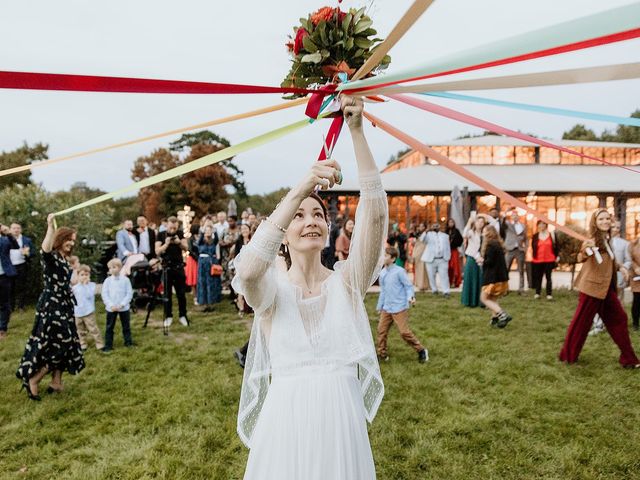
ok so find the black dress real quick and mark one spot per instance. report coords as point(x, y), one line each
point(54, 340)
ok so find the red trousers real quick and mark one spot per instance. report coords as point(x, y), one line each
point(455, 274)
point(614, 318)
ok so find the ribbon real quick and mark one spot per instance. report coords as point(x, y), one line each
point(404, 24)
point(602, 28)
point(461, 117)
point(207, 160)
point(463, 172)
point(91, 83)
point(332, 135)
point(562, 77)
point(219, 121)
point(316, 102)
point(634, 122)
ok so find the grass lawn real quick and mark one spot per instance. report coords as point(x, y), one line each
point(490, 404)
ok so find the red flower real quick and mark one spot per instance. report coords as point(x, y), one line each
point(326, 14)
point(297, 43)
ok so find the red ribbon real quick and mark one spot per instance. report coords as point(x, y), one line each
point(90, 83)
point(332, 135)
point(317, 98)
point(594, 42)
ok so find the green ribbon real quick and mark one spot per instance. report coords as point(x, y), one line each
point(592, 26)
point(205, 161)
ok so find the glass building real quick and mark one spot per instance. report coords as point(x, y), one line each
point(565, 187)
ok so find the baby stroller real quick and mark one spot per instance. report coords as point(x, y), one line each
point(146, 281)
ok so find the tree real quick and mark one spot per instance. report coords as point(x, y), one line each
point(205, 137)
point(29, 205)
point(156, 162)
point(260, 204)
point(23, 155)
point(580, 132)
point(623, 133)
point(203, 189)
point(397, 156)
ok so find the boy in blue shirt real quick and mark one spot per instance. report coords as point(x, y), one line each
point(396, 293)
point(116, 295)
point(85, 308)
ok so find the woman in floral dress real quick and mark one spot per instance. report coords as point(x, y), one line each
point(54, 346)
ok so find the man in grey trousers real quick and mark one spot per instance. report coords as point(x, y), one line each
point(515, 242)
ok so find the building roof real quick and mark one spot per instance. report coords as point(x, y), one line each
point(499, 140)
point(430, 179)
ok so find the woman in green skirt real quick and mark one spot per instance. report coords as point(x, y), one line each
point(472, 279)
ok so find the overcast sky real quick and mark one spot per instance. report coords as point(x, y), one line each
point(243, 42)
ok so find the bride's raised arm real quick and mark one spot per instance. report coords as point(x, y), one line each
point(372, 218)
point(255, 264)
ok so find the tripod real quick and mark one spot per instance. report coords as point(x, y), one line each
point(155, 299)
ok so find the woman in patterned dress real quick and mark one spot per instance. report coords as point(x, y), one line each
point(53, 346)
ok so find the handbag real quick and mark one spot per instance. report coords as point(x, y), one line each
point(216, 270)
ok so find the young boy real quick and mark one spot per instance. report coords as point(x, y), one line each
point(85, 293)
point(396, 292)
point(116, 295)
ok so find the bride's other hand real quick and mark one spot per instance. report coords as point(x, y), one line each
point(352, 108)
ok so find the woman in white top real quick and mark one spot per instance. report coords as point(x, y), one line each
point(311, 378)
point(472, 278)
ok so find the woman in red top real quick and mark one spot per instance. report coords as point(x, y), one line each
point(545, 258)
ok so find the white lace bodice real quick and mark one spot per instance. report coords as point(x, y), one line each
point(292, 335)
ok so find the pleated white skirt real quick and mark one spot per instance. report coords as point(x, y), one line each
point(312, 427)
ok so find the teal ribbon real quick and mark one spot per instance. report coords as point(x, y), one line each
point(633, 122)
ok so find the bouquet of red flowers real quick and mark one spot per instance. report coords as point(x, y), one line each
point(328, 42)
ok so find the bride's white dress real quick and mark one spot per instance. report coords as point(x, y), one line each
point(311, 377)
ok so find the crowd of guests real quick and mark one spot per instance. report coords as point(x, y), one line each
point(440, 257)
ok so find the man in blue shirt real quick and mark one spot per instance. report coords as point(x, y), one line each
point(396, 293)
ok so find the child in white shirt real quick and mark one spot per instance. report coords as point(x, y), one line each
point(116, 295)
point(85, 309)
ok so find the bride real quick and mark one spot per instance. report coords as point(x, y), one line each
point(311, 378)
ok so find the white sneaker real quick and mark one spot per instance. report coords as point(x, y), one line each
point(536, 296)
point(167, 322)
point(549, 297)
point(183, 321)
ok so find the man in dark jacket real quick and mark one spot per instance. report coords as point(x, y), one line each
point(21, 254)
point(7, 272)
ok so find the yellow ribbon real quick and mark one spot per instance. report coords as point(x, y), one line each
point(240, 116)
point(205, 161)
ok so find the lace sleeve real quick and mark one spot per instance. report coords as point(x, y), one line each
point(255, 267)
point(369, 234)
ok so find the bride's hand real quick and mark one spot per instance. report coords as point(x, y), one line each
point(325, 174)
point(352, 109)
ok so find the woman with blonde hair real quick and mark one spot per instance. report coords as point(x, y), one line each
point(472, 277)
point(597, 283)
point(495, 276)
point(311, 378)
point(54, 346)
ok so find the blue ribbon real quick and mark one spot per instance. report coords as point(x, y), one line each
point(633, 122)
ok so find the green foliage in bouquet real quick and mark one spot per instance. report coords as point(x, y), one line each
point(330, 41)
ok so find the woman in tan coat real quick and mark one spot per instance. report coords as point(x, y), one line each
point(596, 283)
point(634, 280)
